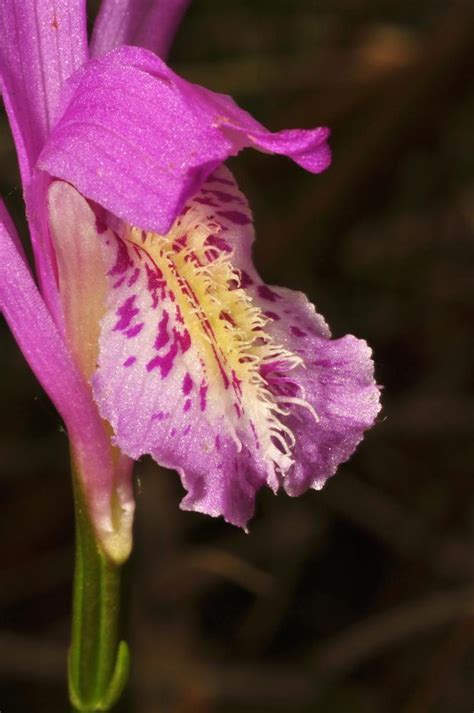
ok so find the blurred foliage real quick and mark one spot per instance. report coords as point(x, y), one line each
point(357, 599)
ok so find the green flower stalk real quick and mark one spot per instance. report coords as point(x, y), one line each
point(99, 662)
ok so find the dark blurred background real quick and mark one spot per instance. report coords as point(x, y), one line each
point(360, 598)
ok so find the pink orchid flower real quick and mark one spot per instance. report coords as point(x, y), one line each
point(149, 327)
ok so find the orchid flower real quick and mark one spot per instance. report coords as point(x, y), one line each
point(148, 326)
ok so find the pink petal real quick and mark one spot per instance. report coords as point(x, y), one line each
point(146, 23)
point(139, 140)
point(333, 397)
point(192, 373)
point(165, 381)
point(42, 42)
point(49, 358)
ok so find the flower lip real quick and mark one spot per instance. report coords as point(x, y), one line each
point(208, 314)
point(234, 388)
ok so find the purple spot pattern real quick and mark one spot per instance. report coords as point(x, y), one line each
point(160, 416)
point(245, 279)
point(207, 201)
point(133, 277)
point(219, 179)
point(187, 384)
point(126, 312)
point(217, 242)
point(163, 336)
point(203, 396)
point(134, 331)
point(224, 197)
point(164, 363)
point(122, 262)
point(156, 284)
point(267, 294)
point(271, 315)
point(235, 216)
point(297, 331)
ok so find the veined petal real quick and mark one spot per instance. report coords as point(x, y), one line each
point(49, 358)
point(146, 23)
point(42, 42)
point(197, 369)
point(139, 140)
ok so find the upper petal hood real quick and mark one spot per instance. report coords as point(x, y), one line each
point(139, 140)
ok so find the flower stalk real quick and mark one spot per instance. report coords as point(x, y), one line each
point(98, 659)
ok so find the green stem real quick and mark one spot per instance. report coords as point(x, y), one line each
point(98, 663)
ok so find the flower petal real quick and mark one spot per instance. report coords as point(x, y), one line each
point(146, 23)
point(49, 358)
point(177, 378)
point(332, 397)
point(42, 42)
point(139, 140)
point(207, 377)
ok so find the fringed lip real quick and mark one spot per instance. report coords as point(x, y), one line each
point(231, 382)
